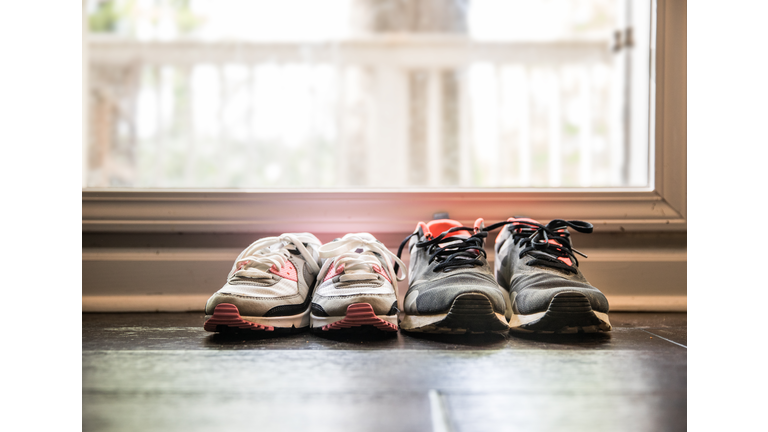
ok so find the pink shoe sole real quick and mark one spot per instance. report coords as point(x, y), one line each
point(361, 314)
point(227, 315)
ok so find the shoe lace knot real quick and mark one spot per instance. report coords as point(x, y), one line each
point(550, 244)
point(359, 255)
point(451, 250)
point(262, 255)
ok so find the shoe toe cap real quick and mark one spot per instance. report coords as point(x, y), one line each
point(439, 298)
point(530, 301)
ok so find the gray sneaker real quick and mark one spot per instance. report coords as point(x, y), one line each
point(269, 287)
point(537, 264)
point(451, 286)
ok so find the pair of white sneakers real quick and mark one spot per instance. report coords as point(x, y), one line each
point(288, 283)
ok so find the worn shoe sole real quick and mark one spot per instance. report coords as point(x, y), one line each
point(568, 312)
point(359, 319)
point(470, 313)
point(226, 318)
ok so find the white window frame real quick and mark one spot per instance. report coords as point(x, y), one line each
point(661, 207)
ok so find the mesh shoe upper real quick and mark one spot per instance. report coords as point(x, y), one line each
point(356, 270)
point(454, 265)
point(274, 276)
point(547, 266)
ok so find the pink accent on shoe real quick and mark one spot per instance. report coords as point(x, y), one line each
point(287, 272)
point(360, 314)
point(334, 272)
point(424, 229)
point(479, 224)
point(439, 226)
point(559, 247)
point(226, 314)
point(378, 270)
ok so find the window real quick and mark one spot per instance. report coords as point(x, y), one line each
point(660, 205)
point(357, 94)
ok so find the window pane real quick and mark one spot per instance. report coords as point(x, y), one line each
point(331, 94)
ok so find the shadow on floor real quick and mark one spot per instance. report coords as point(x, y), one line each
point(584, 340)
point(473, 340)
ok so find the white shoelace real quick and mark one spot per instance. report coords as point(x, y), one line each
point(256, 260)
point(358, 266)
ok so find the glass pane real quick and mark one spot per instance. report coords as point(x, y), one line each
point(345, 94)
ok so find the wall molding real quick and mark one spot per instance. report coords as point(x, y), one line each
point(196, 303)
point(182, 279)
point(386, 212)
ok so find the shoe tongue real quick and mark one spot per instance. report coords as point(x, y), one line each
point(439, 226)
point(276, 247)
point(363, 274)
point(382, 260)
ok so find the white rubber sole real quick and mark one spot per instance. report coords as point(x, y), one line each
point(290, 321)
point(520, 320)
point(470, 313)
point(412, 322)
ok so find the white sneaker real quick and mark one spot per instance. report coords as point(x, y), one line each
point(269, 287)
point(356, 287)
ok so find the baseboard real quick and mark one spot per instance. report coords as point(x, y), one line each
point(625, 303)
point(181, 280)
point(145, 303)
point(196, 303)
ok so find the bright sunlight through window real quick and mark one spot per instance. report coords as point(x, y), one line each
point(340, 94)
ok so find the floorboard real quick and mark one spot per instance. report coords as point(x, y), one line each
point(163, 372)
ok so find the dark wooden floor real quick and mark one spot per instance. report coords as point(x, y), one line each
point(163, 372)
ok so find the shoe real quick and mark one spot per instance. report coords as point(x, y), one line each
point(537, 264)
point(269, 287)
point(451, 286)
point(355, 288)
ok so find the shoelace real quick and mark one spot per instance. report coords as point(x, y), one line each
point(359, 266)
point(549, 245)
point(455, 251)
point(256, 260)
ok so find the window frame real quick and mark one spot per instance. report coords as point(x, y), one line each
point(661, 207)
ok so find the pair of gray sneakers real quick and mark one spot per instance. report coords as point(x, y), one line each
point(536, 285)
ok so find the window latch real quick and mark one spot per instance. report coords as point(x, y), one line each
point(623, 39)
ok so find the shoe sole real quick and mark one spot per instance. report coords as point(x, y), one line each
point(226, 318)
point(470, 313)
point(359, 319)
point(568, 312)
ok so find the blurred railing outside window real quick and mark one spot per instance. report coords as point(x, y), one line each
point(340, 94)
